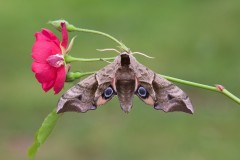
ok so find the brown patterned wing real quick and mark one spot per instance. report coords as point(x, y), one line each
point(169, 97)
point(91, 92)
point(156, 91)
point(80, 97)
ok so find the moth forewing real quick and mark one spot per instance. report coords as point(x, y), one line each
point(79, 98)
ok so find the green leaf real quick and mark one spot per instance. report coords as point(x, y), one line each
point(43, 132)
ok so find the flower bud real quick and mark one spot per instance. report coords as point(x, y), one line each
point(57, 24)
point(71, 76)
point(219, 87)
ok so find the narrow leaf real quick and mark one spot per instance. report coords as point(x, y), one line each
point(43, 132)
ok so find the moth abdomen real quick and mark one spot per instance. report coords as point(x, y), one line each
point(125, 90)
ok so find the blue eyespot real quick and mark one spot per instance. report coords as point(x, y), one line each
point(108, 92)
point(142, 92)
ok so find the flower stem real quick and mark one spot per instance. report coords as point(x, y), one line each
point(125, 48)
point(230, 95)
point(69, 59)
point(71, 28)
point(203, 86)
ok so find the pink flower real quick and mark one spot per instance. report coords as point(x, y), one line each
point(48, 59)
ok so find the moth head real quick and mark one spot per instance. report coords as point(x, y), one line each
point(125, 59)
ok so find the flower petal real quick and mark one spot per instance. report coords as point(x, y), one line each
point(47, 86)
point(64, 35)
point(41, 50)
point(40, 37)
point(61, 77)
point(47, 33)
point(45, 73)
point(38, 67)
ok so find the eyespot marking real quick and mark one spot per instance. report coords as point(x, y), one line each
point(108, 92)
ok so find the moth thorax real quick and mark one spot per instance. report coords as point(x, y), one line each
point(125, 73)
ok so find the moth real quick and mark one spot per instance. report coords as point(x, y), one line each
point(124, 77)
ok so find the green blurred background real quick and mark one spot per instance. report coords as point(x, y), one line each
point(191, 39)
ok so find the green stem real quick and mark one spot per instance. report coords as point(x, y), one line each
point(103, 34)
point(71, 28)
point(69, 59)
point(203, 86)
point(230, 95)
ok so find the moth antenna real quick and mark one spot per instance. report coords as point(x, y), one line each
point(142, 54)
point(105, 60)
point(124, 50)
point(109, 49)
